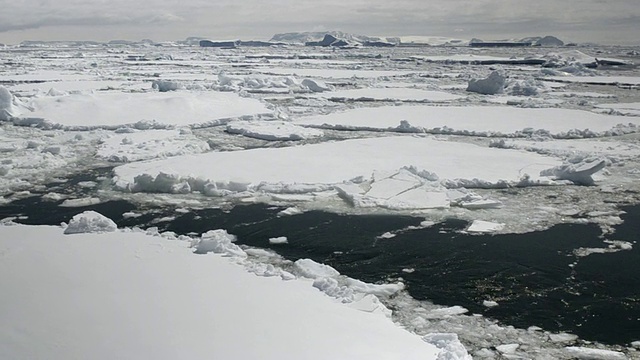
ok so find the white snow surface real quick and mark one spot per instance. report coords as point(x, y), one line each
point(154, 298)
point(165, 108)
point(472, 120)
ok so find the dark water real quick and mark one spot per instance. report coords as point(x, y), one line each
point(528, 274)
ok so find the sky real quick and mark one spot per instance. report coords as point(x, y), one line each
point(600, 21)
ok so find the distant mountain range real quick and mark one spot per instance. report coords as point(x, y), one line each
point(318, 38)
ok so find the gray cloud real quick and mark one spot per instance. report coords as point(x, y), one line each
point(173, 20)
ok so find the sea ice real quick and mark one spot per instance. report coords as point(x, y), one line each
point(421, 184)
point(112, 110)
point(155, 299)
point(473, 120)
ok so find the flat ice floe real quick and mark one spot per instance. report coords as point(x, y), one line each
point(475, 120)
point(162, 301)
point(390, 94)
point(117, 109)
point(401, 172)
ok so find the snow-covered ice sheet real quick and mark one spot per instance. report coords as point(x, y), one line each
point(306, 168)
point(472, 120)
point(129, 295)
point(117, 109)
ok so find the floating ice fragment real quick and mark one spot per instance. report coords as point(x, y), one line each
point(313, 270)
point(489, 303)
point(443, 313)
point(577, 173)
point(481, 226)
point(584, 353)
point(80, 202)
point(508, 348)
point(90, 222)
point(450, 345)
point(562, 337)
point(278, 240)
point(290, 211)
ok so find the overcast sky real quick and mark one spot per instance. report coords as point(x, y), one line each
point(603, 21)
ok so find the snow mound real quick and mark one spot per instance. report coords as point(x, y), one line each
point(494, 84)
point(315, 85)
point(90, 222)
point(218, 242)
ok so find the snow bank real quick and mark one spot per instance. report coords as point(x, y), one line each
point(476, 120)
point(157, 300)
point(90, 222)
point(159, 109)
point(272, 130)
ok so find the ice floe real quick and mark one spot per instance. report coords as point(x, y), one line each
point(112, 110)
point(89, 276)
point(476, 120)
